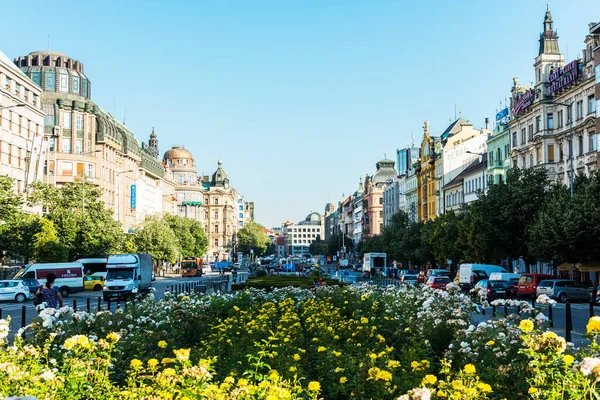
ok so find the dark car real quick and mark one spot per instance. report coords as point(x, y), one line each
point(496, 289)
point(32, 284)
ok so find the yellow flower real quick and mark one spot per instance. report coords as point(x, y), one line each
point(242, 382)
point(526, 326)
point(236, 308)
point(457, 385)
point(364, 320)
point(568, 359)
point(293, 369)
point(484, 387)
point(182, 354)
point(491, 343)
point(113, 337)
point(532, 390)
point(393, 364)
point(429, 380)
point(321, 349)
point(153, 362)
point(470, 369)
point(136, 364)
point(70, 343)
point(296, 357)
point(184, 298)
point(593, 326)
point(162, 344)
point(336, 353)
point(343, 380)
point(364, 297)
point(314, 386)
point(384, 375)
point(373, 356)
point(441, 393)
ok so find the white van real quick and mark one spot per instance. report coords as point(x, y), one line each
point(470, 274)
point(69, 276)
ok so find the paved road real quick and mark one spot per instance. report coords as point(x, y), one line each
point(15, 310)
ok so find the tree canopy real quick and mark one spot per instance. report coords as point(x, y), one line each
point(252, 236)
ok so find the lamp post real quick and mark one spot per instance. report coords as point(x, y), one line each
point(482, 168)
point(83, 178)
point(570, 106)
point(16, 105)
point(119, 191)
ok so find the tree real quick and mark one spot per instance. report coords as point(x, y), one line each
point(89, 232)
point(47, 247)
point(10, 202)
point(156, 238)
point(191, 239)
point(443, 238)
point(18, 241)
point(318, 247)
point(252, 236)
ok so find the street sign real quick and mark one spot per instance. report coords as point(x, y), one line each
point(334, 258)
point(133, 199)
point(251, 251)
point(449, 261)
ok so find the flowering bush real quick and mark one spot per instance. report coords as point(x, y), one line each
point(335, 343)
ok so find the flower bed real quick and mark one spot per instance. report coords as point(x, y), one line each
point(332, 343)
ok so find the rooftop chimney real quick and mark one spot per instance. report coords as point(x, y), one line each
point(487, 123)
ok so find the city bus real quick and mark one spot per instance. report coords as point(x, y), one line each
point(191, 267)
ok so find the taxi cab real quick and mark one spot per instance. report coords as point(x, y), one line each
point(93, 282)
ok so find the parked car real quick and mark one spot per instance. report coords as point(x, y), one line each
point(496, 289)
point(528, 284)
point(470, 274)
point(14, 290)
point(563, 290)
point(32, 284)
point(437, 272)
point(438, 282)
point(93, 282)
point(410, 280)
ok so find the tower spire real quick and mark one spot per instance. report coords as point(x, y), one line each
point(549, 37)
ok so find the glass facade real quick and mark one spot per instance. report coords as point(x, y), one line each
point(50, 80)
point(84, 87)
point(75, 85)
point(36, 77)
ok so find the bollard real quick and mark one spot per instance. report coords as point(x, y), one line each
point(493, 310)
point(551, 323)
point(171, 288)
point(108, 304)
point(23, 316)
point(569, 322)
point(482, 309)
point(0, 313)
point(591, 308)
point(533, 301)
point(99, 304)
point(125, 305)
point(88, 305)
point(74, 304)
point(118, 305)
point(505, 310)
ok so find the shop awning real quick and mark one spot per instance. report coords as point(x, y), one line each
point(590, 266)
point(565, 267)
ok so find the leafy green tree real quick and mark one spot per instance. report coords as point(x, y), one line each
point(10, 202)
point(84, 232)
point(18, 241)
point(47, 247)
point(190, 235)
point(252, 236)
point(155, 237)
point(443, 238)
point(318, 247)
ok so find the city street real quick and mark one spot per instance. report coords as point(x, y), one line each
point(15, 310)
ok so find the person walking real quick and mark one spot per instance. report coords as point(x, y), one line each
point(49, 293)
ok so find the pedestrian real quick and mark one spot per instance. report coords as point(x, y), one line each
point(49, 293)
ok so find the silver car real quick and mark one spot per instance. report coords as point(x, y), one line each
point(563, 290)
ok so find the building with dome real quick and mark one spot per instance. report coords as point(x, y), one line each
point(299, 237)
point(86, 143)
point(373, 196)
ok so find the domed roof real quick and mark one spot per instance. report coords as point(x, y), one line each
point(385, 172)
point(48, 53)
point(177, 152)
point(314, 217)
point(220, 177)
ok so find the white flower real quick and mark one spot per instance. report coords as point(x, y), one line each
point(588, 364)
point(48, 375)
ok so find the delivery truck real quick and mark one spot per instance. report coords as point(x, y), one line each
point(374, 262)
point(127, 275)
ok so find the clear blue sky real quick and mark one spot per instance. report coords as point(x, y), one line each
point(299, 98)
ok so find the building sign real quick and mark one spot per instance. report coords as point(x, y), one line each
point(133, 199)
point(523, 101)
point(502, 114)
point(563, 77)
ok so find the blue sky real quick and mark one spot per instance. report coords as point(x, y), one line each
point(299, 98)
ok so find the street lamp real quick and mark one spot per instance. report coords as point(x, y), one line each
point(482, 168)
point(570, 105)
point(83, 178)
point(16, 105)
point(119, 191)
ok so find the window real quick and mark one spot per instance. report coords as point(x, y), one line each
point(538, 154)
point(75, 84)
point(80, 170)
point(66, 120)
point(84, 87)
point(505, 151)
point(380, 200)
point(580, 145)
point(216, 214)
point(579, 109)
point(67, 169)
point(90, 171)
point(498, 156)
point(551, 153)
point(79, 146)
point(66, 145)
point(569, 113)
point(37, 78)
point(591, 104)
point(205, 214)
point(560, 151)
point(241, 216)
point(50, 81)
point(592, 139)
point(216, 200)
point(514, 141)
point(559, 115)
point(523, 136)
point(538, 124)
point(216, 242)
point(530, 160)
point(79, 122)
point(380, 214)
point(17, 89)
point(63, 83)
point(570, 148)
point(216, 228)
point(52, 144)
point(50, 166)
point(550, 122)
